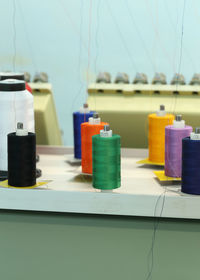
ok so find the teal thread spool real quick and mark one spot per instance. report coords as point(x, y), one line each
point(106, 160)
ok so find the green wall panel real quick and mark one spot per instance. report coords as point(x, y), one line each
point(86, 247)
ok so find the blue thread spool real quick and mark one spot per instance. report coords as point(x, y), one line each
point(78, 118)
point(191, 163)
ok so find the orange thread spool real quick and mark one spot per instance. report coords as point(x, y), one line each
point(87, 131)
point(157, 126)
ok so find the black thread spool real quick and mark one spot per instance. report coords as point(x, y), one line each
point(21, 158)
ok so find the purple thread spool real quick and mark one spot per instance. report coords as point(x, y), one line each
point(173, 146)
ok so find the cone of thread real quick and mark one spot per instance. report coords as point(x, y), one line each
point(173, 149)
point(21, 160)
point(106, 162)
point(190, 166)
point(78, 119)
point(156, 136)
point(87, 131)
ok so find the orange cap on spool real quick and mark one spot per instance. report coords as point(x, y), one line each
point(87, 131)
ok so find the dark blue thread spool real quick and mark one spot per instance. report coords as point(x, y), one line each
point(191, 166)
point(78, 119)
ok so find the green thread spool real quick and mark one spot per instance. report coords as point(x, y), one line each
point(106, 161)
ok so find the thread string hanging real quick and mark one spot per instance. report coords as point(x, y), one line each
point(133, 63)
point(129, 10)
point(155, 228)
point(165, 52)
point(79, 59)
point(14, 35)
point(89, 41)
point(27, 37)
point(181, 51)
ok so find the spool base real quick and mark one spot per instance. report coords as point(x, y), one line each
point(86, 174)
point(5, 185)
point(106, 191)
point(148, 162)
point(162, 177)
point(72, 161)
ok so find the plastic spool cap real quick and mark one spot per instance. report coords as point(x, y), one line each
point(95, 115)
point(95, 119)
point(161, 112)
point(106, 132)
point(20, 130)
point(19, 125)
point(178, 118)
point(197, 130)
point(85, 109)
point(12, 85)
point(195, 135)
point(106, 127)
point(11, 75)
point(162, 107)
point(178, 122)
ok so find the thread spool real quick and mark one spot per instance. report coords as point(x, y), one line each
point(106, 160)
point(88, 129)
point(11, 75)
point(16, 106)
point(103, 77)
point(178, 79)
point(40, 77)
point(140, 78)
point(195, 80)
point(21, 158)
point(27, 77)
point(191, 163)
point(16, 76)
point(159, 79)
point(173, 146)
point(122, 78)
point(78, 118)
point(156, 137)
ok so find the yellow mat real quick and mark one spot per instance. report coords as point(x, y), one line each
point(5, 185)
point(147, 161)
point(162, 177)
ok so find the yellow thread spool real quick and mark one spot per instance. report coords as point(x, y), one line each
point(157, 124)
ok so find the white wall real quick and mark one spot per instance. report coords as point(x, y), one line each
point(126, 35)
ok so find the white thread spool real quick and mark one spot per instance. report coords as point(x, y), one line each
point(11, 75)
point(16, 105)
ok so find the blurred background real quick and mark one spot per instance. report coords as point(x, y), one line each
point(73, 40)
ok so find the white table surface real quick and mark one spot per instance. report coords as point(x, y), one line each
point(140, 193)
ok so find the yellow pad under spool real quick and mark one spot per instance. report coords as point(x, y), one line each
point(162, 177)
point(5, 185)
point(147, 161)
